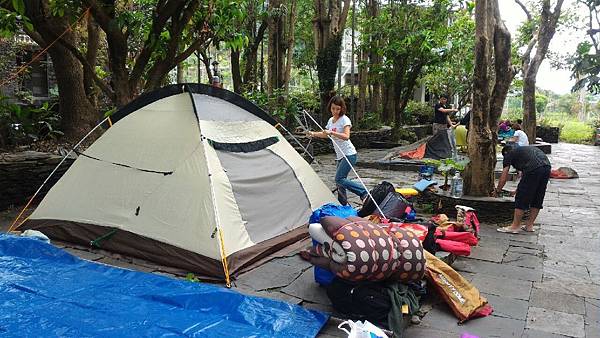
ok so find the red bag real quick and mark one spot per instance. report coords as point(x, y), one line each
point(457, 248)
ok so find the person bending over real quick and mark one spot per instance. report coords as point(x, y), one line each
point(535, 166)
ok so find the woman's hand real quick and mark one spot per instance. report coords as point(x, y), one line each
point(328, 132)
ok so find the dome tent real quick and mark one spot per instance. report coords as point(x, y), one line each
point(187, 174)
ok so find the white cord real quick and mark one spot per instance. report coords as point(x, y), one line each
point(348, 161)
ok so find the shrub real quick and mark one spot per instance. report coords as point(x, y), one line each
point(576, 132)
point(25, 124)
point(370, 121)
point(419, 112)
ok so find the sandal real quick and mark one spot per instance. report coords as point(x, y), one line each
point(508, 230)
point(524, 228)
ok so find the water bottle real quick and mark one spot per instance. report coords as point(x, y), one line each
point(457, 186)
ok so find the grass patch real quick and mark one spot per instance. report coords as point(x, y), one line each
point(571, 129)
point(576, 132)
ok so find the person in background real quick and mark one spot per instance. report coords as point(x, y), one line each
point(535, 166)
point(441, 118)
point(338, 128)
point(519, 138)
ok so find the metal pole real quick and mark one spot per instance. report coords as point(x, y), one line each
point(352, 76)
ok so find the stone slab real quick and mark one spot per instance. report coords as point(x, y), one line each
point(123, 264)
point(507, 307)
point(304, 287)
point(557, 301)
point(491, 254)
point(592, 331)
point(503, 287)
point(523, 250)
point(500, 270)
point(421, 331)
point(530, 333)
point(585, 290)
point(561, 270)
point(523, 260)
point(442, 319)
point(90, 256)
point(270, 276)
point(592, 311)
point(550, 321)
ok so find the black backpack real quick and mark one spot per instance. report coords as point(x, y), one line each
point(365, 300)
point(379, 193)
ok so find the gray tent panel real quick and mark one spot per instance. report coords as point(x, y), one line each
point(215, 109)
point(265, 188)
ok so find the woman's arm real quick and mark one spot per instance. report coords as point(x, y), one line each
point(319, 134)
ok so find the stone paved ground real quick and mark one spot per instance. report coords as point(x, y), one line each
point(545, 284)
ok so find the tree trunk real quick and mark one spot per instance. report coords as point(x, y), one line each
point(529, 113)
point(541, 42)
point(291, 38)
point(78, 115)
point(180, 73)
point(362, 86)
point(492, 48)
point(276, 50)
point(236, 73)
point(328, 28)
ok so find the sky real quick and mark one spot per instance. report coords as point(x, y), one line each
point(565, 41)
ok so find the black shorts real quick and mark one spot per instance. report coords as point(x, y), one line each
point(532, 189)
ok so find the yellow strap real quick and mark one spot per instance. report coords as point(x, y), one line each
point(277, 125)
point(109, 122)
point(224, 260)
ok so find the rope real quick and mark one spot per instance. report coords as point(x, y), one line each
point(12, 226)
point(43, 51)
point(97, 241)
point(298, 142)
point(224, 259)
point(350, 164)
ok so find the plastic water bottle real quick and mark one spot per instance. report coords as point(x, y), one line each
point(457, 186)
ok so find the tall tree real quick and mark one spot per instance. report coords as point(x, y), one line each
point(586, 60)
point(45, 24)
point(493, 74)
point(409, 37)
point(328, 25)
point(542, 30)
point(454, 75)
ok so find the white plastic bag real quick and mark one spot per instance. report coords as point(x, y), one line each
point(360, 329)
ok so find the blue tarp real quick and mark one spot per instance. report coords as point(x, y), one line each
point(45, 291)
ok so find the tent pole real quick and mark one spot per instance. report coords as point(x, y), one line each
point(12, 226)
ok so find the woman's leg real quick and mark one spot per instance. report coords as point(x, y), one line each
point(341, 177)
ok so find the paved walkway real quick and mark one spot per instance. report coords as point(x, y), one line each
point(545, 284)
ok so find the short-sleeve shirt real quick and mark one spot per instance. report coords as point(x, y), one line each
point(523, 140)
point(346, 146)
point(526, 159)
point(438, 115)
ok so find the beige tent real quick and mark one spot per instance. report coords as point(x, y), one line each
point(187, 174)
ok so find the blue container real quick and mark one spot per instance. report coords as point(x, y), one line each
point(426, 171)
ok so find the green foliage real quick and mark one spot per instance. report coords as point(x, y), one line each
point(541, 101)
point(419, 112)
point(576, 132)
point(446, 165)
point(190, 277)
point(404, 134)
point(453, 76)
point(296, 102)
point(370, 121)
point(24, 124)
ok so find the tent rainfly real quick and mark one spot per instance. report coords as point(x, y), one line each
point(187, 175)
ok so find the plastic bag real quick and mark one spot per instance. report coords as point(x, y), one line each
point(360, 329)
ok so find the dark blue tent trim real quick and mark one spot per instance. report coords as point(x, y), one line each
point(196, 88)
point(45, 291)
